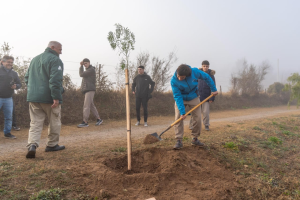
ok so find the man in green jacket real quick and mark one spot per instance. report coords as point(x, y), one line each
point(44, 93)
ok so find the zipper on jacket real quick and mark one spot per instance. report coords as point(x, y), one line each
point(188, 84)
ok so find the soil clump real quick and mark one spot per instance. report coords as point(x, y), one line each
point(150, 139)
point(190, 173)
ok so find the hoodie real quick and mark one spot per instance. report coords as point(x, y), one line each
point(203, 89)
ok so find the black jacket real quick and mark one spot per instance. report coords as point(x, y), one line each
point(89, 79)
point(141, 84)
point(6, 79)
point(203, 89)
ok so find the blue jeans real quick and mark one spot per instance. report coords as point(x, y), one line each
point(7, 104)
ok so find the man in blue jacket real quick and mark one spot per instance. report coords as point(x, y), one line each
point(184, 86)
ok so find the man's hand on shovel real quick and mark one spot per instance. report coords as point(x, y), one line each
point(215, 93)
point(183, 117)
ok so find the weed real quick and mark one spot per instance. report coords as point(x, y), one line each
point(119, 149)
point(285, 132)
point(296, 128)
point(282, 126)
point(52, 194)
point(275, 140)
point(256, 128)
point(274, 123)
point(230, 145)
point(228, 125)
point(185, 138)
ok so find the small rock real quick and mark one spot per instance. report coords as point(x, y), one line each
point(245, 166)
point(228, 165)
point(248, 192)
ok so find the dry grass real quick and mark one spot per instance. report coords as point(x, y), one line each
point(263, 156)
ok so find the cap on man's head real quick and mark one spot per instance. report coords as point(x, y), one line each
point(205, 62)
point(142, 67)
point(86, 60)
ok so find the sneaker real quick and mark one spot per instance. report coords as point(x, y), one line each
point(99, 121)
point(207, 128)
point(83, 124)
point(55, 148)
point(31, 151)
point(145, 124)
point(10, 136)
point(178, 145)
point(137, 123)
point(196, 142)
point(16, 128)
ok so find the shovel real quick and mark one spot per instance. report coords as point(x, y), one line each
point(178, 120)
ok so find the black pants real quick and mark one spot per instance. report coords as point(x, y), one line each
point(14, 119)
point(144, 102)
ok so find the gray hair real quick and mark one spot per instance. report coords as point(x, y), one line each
point(5, 58)
point(53, 43)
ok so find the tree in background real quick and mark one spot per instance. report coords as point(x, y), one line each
point(294, 87)
point(275, 88)
point(158, 68)
point(102, 81)
point(248, 79)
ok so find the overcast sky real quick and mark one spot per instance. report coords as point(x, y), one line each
point(222, 32)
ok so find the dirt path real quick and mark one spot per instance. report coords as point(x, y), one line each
point(115, 130)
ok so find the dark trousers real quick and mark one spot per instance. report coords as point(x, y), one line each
point(144, 102)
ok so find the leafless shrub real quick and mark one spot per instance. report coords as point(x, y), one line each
point(248, 79)
point(102, 81)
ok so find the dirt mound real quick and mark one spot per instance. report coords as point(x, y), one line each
point(190, 173)
point(150, 139)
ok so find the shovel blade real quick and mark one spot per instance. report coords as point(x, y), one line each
point(156, 135)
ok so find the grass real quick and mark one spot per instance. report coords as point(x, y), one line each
point(230, 145)
point(264, 158)
point(119, 149)
point(52, 194)
point(275, 140)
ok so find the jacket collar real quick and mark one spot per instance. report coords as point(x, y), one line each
point(51, 51)
point(4, 68)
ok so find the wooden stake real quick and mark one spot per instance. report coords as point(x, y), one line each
point(128, 119)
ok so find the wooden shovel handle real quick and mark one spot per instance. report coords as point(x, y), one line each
point(178, 120)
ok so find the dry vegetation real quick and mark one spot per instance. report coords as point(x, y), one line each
point(254, 160)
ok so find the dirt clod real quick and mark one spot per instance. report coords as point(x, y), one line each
point(150, 139)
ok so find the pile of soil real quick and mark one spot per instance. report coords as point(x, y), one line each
point(190, 173)
point(150, 139)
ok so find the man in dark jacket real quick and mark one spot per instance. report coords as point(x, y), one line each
point(140, 87)
point(9, 81)
point(44, 80)
point(88, 88)
point(204, 91)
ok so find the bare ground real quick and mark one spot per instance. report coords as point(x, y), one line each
point(116, 130)
point(95, 161)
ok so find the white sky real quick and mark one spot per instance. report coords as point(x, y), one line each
point(221, 31)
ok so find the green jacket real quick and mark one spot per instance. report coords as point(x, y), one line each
point(44, 78)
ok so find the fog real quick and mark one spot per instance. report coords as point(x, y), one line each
point(222, 32)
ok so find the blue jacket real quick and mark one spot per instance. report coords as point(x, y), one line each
point(203, 89)
point(186, 90)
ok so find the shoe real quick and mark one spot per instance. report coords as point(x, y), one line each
point(99, 121)
point(145, 124)
point(55, 148)
point(83, 124)
point(207, 128)
point(16, 128)
point(31, 152)
point(196, 142)
point(137, 123)
point(178, 145)
point(10, 136)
